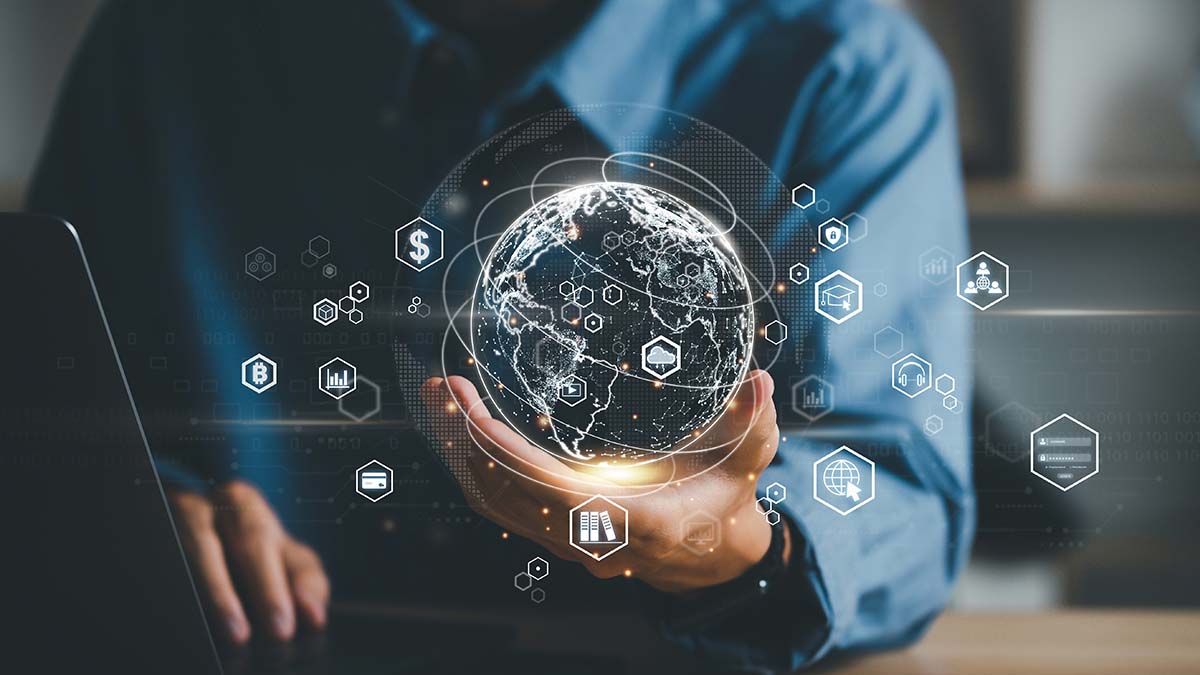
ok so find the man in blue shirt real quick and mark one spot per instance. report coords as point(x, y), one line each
point(188, 131)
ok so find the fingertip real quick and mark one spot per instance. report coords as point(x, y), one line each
point(313, 610)
point(237, 629)
point(283, 624)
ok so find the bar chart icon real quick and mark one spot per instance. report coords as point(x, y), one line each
point(337, 378)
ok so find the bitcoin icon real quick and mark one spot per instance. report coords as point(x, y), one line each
point(419, 252)
point(258, 373)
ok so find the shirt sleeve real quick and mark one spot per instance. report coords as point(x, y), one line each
point(872, 129)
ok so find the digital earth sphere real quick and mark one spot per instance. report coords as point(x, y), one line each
point(612, 322)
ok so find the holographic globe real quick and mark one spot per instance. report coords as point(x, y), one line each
point(612, 323)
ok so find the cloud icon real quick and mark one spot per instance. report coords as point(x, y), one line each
point(660, 357)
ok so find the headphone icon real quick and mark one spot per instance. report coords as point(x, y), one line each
point(903, 379)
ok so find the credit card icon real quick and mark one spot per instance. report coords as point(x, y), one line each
point(373, 480)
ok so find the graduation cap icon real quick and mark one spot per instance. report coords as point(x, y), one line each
point(837, 296)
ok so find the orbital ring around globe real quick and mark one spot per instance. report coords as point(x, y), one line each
point(723, 202)
point(684, 441)
point(522, 275)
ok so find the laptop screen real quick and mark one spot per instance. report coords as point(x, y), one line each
point(94, 577)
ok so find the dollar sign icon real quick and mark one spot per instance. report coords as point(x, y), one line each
point(420, 251)
point(258, 373)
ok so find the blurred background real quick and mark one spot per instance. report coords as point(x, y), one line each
point(1080, 124)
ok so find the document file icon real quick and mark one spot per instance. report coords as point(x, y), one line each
point(373, 480)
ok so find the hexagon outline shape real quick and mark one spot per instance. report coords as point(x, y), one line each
point(921, 266)
point(858, 295)
point(782, 490)
point(359, 284)
point(618, 295)
point(843, 239)
point(800, 411)
point(267, 253)
point(908, 359)
point(353, 377)
point(436, 252)
point(958, 281)
point(325, 302)
point(328, 247)
point(625, 521)
point(674, 347)
point(792, 273)
point(545, 565)
point(522, 578)
point(581, 381)
point(598, 323)
point(1095, 434)
point(937, 386)
point(987, 428)
point(274, 373)
point(696, 517)
point(374, 409)
point(358, 480)
point(932, 428)
point(875, 342)
point(856, 216)
point(852, 509)
point(767, 332)
point(812, 195)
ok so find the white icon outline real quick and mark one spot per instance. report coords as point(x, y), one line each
point(647, 350)
point(353, 378)
point(582, 384)
point(437, 248)
point(1033, 444)
point(816, 481)
point(960, 282)
point(817, 290)
point(625, 526)
point(274, 373)
point(391, 483)
point(825, 387)
point(900, 378)
point(833, 234)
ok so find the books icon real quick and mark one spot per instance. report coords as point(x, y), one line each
point(595, 527)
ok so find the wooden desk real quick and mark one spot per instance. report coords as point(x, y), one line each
point(1059, 643)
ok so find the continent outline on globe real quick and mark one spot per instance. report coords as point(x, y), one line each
point(679, 278)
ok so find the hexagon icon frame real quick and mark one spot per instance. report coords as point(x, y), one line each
point(325, 302)
point(842, 238)
point(924, 266)
point(376, 408)
point(436, 253)
point(391, 484)
point(808, 200)
point(793, 276)
point(625, 526)
point(857, 295)
point(274, 373)
point(816, 482)
point(268, 258)
point(686, 528)
point(825, 386)
point(674, 347)
point(906, 360)
point(1032, 444)
point(353, 377)
point(958, 280)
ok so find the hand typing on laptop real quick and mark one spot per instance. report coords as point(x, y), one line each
point(233, 534)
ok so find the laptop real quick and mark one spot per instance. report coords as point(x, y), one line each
point(94, 576)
